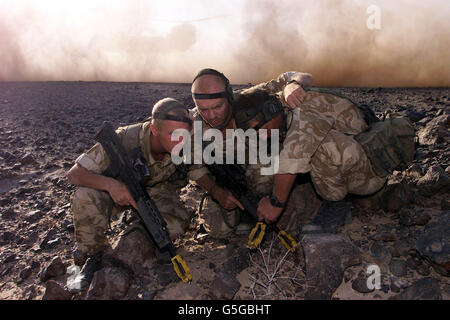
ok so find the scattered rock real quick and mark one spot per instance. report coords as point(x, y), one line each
point(385, 233)
point(415, 116)
point(414, 171)
point(180, 291)
point(410, 217)
point(416, 263)
point(422, 289)
point(434, 181)
point(53, 243)
point(397, 196)
point(10, 258)
point(394, 288)
point(133, 248)
point(398, 268)
point(7, 237)
point(435, 131)
point(54, 291)
point(381, 254)
point(311, 228)
point(8, 214)
point(332, 215)
point(109, 284)
point(360, 283)
point(238, 262)
point(68, 225)
point(27, 159)
point(50, 235)
point(225, 284)
point(53, 269)
point(326, 257)
point(25, 273)
point(445, 204)
point(164, 273)
point(402, 247)
point(434, 243)
point(33, 216)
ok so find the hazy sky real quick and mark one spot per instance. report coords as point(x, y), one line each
point(249, 40)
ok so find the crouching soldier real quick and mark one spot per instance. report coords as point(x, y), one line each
point(213, 97)
point(99, 196)
point(343, 146)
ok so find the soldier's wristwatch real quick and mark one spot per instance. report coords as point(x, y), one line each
point(275, 202)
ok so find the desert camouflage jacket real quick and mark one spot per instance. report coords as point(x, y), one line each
point(274, 86)
point(311, 122)
point(132, 136)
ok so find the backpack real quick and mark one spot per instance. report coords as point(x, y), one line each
point(388, 144)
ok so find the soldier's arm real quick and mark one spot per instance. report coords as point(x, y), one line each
point(282, 185)
point(289, 86)
point(281, 188)
point(80, 176)
point(223, 196)
point(277, 85)
point(201, 175)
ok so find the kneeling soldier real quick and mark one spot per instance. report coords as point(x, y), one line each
point(99, 196)
point(343, 146)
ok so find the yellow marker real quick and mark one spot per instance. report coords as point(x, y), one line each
point(177, 261)
point(254, 243)
point(285, 238)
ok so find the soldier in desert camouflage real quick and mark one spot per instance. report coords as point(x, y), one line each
point(213, 98)
point(334, 140)
point(99, 196)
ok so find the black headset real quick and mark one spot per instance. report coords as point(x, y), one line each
point(269, 110)
point(228, 93)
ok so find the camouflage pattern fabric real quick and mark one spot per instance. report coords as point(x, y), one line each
point(274, 86)
point(91, 207)
point(96, 160)
point(340, 166)
point(388, 144)
point(320, 141)
point(221, 223)
point(212, 213)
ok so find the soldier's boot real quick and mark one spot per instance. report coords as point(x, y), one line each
point(82, 280)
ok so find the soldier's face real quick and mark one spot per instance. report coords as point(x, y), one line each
point(214, 111)
point(164, 133)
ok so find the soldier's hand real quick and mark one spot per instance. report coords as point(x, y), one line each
point(120, 194)
point(267, 212)
point(294, 95)
point(226, 199)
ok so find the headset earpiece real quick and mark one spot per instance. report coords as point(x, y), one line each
point(271, 109)
point(228, 89)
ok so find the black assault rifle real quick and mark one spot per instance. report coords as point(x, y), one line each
point(125, 168)
point(232, 177)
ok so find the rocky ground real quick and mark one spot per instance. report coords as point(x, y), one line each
point(403, 232)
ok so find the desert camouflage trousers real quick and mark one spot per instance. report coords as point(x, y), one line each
point(221, 223)
point(91, 209)
point(340, 166)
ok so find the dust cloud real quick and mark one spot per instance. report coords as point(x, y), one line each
point(250, 41)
